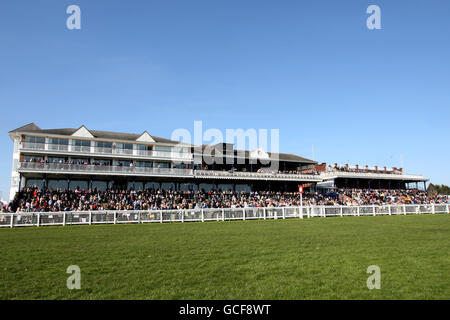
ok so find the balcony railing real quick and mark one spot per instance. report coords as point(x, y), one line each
point(368, 175)
point(105, 151)
point(83, 168)
point(89, 168)
point(251, 175)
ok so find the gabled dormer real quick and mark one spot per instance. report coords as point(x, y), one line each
point(145, 137)
point(83, 132)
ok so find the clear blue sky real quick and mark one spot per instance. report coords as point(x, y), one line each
point(309, 68)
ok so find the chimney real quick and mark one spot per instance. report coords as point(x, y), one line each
point(376, 168)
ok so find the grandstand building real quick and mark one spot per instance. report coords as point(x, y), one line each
point(87, 159)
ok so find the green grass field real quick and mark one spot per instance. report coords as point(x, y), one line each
point(319, 258)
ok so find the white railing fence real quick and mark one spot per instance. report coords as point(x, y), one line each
point(201, 215)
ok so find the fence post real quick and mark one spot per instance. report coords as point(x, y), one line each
point(12, 220)
point(447, 208)
point(38, 219)
point(64, 218)
point(160, 216)
point(264, 212)
point(323, 211)
point(373, 210)
point(90, 217)
point(357, 211)
point(284, 212)
point(404, 209)
point(139, 217)
point(341, 211)
point(223, 214)
point(115, 217)
point(243, 213)
point(301, 212)
point(203, 216)
point(182, 216)
point(308, 212)
point(433, 210)
point(389, 209)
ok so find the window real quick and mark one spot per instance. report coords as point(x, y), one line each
point(80, 160)
point(58, 144)
point(163, 148)
point(142, 147)
point(143, 164)
point(101, 162)
point(180, 150)
point(56, 160)
point(32, 158)
point(32, 139)
point(103, 144)
point(63, 142)
point(81, 143)
point(161, 165)
point(122, 163)
point(127, 146)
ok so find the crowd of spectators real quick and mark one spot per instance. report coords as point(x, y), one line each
point(37, 200)
point(356, 169)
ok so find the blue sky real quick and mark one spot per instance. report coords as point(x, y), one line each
point(309, 68)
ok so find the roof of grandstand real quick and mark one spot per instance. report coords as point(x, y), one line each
point(33, 128)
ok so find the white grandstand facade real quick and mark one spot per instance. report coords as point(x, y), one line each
point(82, 158)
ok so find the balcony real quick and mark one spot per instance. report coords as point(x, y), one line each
point(65, 168)
point(256, 175)
point(86, 150)
point(371, 175)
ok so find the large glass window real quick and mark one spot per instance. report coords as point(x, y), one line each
point(101, 162)
point(80, 160)
point(58, 144)
point(36, 183)
point(143, 164)
point(99, 185)
point(32, 158)
point(103, 144)
point(142, 147)
point(122, 163)
point(64, 142)
point(75, 184)
point(103, 147)
point(81, 145)
point(57, 184)
point(161, 165)
point(56, 160)
point(163, 148)
point(33, 139)
point(35, 143)
point(180, 150)
point(127, 146)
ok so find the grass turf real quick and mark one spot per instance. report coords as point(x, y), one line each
point(319, 258)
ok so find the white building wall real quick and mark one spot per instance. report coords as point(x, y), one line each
point(15, 169)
